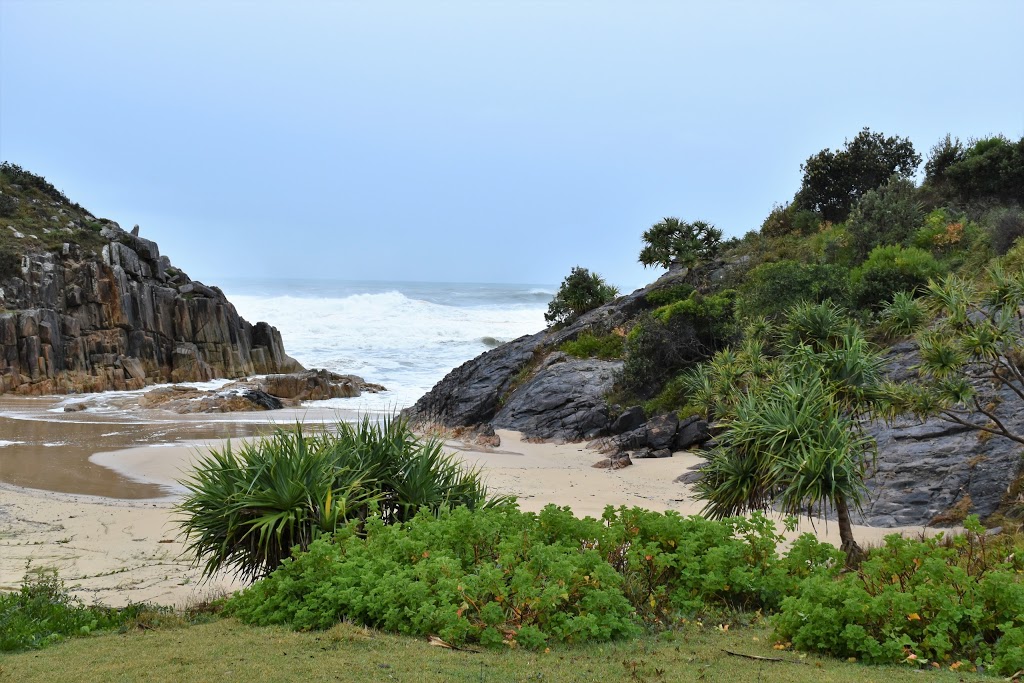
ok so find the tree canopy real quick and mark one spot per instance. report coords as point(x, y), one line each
point(673, 241)
point(580, 291)
point(834, 180)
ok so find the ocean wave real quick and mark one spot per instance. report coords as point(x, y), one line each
point(404, 342)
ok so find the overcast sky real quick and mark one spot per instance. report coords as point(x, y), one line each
point(473, 141)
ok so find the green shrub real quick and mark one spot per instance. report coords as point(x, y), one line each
point(891, 269)
point(10, 263)
point(502, 576)
point(246, 508)
point(42, 612)
point(887, 215)
point(772, 288)
point(936, 600)
point(580, 291)
point(669, 295)
point(1005, 226)
point(8, 205)
point(489, 577)
point(588, 345)
point(675, 337)
point(903, 315)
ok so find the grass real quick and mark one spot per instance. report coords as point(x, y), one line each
point(226, 650)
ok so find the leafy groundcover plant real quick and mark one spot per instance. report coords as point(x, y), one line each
point(43, 612)
point(946, 601)
point(505, 576)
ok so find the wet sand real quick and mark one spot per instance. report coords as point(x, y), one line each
point(118, 551)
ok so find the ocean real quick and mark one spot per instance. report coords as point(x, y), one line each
point(403, 335)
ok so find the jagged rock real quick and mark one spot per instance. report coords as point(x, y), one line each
point(661, 431)
point(229, 399)
point(564, 400)
point(80, 322)
point(629, 420)
point(616, 463)
point(476, 391)
point(693, 431)
point(262, 393)
point(661, 453)
point(316, 385)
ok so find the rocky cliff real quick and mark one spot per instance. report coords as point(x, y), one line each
point(86, 306)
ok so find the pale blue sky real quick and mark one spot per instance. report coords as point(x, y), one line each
point(473, 141)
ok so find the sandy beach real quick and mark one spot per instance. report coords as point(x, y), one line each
point(118, 551)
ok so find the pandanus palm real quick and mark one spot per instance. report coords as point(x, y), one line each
point(247, 507)
point(792, 434)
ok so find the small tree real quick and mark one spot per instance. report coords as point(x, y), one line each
point(791, 406)
point(834, 181)
point(581, 291)
point(974, 332)
point(673, 241)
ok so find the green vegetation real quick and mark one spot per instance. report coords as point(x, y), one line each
point(40, 213)
point(949, 601)
point(227, 650)
point(673, 241)
point(246, 508)
point(976, 330)
point(589, 345)
point(43, 612)
point(580, 291)
point(503, 576)
point(789, 403)
point(834, 181)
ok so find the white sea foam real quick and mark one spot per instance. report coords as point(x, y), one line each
point(405, 342)
point(4, 442)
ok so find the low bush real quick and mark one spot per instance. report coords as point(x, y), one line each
point(669, 295)
point(886, 215)
point(42, 612)
point(1006, 226)
point(674, 337)
point(917, 601)
point(892, 269)
point(772, 288)
point(505, 576)
point(580, 291)
point(588, 345)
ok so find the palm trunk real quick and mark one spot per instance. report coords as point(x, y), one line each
point(854, 554)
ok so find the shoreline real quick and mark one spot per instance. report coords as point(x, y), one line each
point(117, 551)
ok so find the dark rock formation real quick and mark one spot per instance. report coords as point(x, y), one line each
point(563, 400)
point(513, 384)
point(264, 393)
point(74, 321)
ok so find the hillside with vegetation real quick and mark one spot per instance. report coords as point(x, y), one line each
point(880, 305)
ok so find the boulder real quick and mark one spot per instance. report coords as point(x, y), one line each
point(563, 401)
point(629, 420)
point(693, 431)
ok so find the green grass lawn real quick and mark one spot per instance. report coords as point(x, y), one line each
point(226, 650)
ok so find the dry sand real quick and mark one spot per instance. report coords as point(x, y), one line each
point(120, 551)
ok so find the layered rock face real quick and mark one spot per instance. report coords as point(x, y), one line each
point(75, 322)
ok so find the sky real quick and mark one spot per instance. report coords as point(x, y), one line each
point(474, 141)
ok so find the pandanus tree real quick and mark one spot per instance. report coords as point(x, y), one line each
point(791, 403)
point(248, 506)
point(970, 337)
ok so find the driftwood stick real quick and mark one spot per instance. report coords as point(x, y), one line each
point(761, 659)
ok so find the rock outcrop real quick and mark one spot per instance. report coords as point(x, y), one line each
point(262, 393)
point(527, 386)
point(76, 321)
